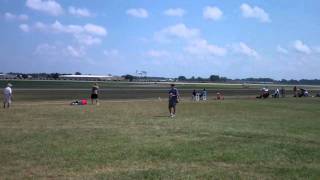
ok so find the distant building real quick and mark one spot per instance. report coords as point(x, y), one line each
point(8, 76)
point(91, 77)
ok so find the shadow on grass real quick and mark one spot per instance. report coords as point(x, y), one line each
point(160, 116)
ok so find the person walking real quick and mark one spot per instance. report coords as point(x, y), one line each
point(94, 94)
point(7, 96)
point(174, 98)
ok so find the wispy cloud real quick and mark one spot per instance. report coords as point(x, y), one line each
point(178, 31)
point(75, 52)
point(244, 49)
point(212, 13)
point(191, 38)
point(15, 17)
point(95, 29)
point(87, 39)
point(80, 12)
point(254, 12)
point(50, 7)
point(301, 47)
point(46, 49)
point(282, 50)
point(86, 35)
point(59, 51)
point(138, 12)
point(57, 27)
point(202, 48)
point(178, 12)
point(24, 27)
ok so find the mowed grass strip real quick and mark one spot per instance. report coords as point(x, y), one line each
point(231, 139)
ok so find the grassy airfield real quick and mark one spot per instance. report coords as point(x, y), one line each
point(133, 138)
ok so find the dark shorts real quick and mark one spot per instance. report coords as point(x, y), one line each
point(94, 96)
point(172, 103)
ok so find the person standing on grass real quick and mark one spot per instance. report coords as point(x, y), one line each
point(204, 94)
point(94, 93)
point(173, 100)
point(295, 91)
point(194, 93)
point(7, 96)
point(283, 92)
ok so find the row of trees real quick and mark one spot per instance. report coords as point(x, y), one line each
point(216, 78)
point(212, 78)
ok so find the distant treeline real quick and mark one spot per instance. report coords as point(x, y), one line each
point(216, 78)
point(212, 78)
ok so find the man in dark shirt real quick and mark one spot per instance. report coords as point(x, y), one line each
point(94, 93)
point(194, 93)
point(173, 100)
point(295, 94)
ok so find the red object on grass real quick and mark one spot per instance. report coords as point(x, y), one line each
point(84, 102)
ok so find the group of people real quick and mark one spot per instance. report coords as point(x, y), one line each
point(300, 92)
point(277, 93)
point(265, 93)
point(202, 95)
point(8, 95)
point(174, 96)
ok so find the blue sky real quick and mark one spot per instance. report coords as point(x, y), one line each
point(236, 39)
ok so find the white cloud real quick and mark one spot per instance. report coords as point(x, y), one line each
point(87, 35)
point(59, 51)
point(60, 28)
point(95, 29)
point(24, 27)
point(301, 47)
point(46, 49)
point(87, 39)
point(12, 17)
point(202, 47)
point(57, 27)
point(40, 26)
point(244, 49)
point(81, 12)
point(282, 50)
point(175, 12)
point(75, 52)
point(157, 53)
point(254, 12)
point(139, 12)
point(47, 6)
point(194, 43)
point(179, 31)
point(212, 13)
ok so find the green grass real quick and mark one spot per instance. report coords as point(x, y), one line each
point(231, 139)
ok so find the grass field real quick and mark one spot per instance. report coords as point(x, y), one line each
point(25, 90)
point(135, 139)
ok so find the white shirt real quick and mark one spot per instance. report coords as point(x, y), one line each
point(7, 91)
